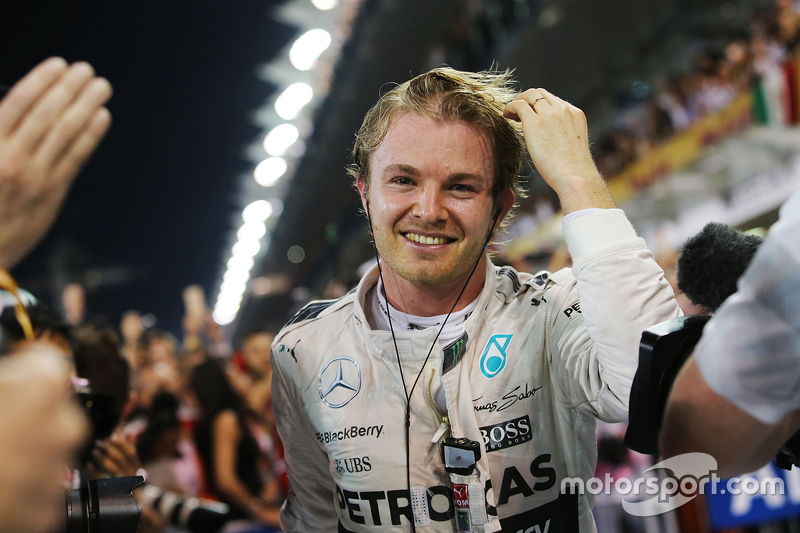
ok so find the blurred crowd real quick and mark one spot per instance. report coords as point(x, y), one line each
point(723, 67)
point(760, 59)
point(192, 420)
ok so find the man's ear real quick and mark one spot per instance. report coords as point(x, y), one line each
point(504, 206)
point(361, 185)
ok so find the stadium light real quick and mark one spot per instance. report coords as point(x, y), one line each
point(308, 47)
point(280, 139)
point(292, 100)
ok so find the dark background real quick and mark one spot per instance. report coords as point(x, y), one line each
point(152, 210)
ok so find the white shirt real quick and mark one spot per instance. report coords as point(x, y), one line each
point(750, 351)
point(453, 328)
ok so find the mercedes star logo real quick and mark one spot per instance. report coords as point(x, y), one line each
point(339, 383)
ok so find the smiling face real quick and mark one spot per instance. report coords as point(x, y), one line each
point(430, 199)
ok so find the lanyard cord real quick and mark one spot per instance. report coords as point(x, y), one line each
point(8, 283)
point(430, 351)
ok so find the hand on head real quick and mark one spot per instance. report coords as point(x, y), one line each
point(557, 138)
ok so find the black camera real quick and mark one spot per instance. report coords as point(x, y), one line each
point(103, 506)
point(663, 350)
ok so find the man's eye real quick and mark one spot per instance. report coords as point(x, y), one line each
point(402, 180)
point(460, 187)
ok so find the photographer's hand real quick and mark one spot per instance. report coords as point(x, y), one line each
point(116, 456)
point(50, 123)
point(41, 428)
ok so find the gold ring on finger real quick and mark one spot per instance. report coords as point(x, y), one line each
point(533, 105)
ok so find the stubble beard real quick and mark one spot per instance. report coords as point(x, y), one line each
point(426, 270)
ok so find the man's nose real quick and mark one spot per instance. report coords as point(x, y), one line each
point(430, 206)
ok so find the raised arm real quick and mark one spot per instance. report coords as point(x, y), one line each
point(620, 291)
point(50, 123)
point(697, 419)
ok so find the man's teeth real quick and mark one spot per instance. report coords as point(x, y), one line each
point(426, 240)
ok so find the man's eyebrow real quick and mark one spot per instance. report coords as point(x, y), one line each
point(465, 176)
point(401, 168)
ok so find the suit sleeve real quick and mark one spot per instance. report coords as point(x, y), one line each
point(615, 292)
point(309, 506)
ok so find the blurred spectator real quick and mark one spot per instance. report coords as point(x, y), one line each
point(258, 385)
point(97, 359)
point(73, 298)
point(258, 392)
point(41, 429)
point(157, 446)
point(131, 328)
point(227, 448)
point(47, 323)
point(158, 369)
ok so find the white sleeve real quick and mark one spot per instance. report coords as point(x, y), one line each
point(309, 506)
point(569, 218)
point(620, 291)
point(750, 351)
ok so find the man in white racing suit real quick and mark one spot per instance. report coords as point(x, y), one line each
point(521, 364)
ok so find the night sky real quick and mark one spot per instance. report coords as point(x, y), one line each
point(154, 207)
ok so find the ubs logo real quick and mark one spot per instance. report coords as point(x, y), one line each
point(352, 465)
point(339, 382)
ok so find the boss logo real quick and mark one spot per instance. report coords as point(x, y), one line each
point(507, 434)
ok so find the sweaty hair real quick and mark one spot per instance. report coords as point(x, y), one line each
point(451, 95)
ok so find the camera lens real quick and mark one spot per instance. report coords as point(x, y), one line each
point(103, 506)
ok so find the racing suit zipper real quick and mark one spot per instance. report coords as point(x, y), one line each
point(444, 425)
